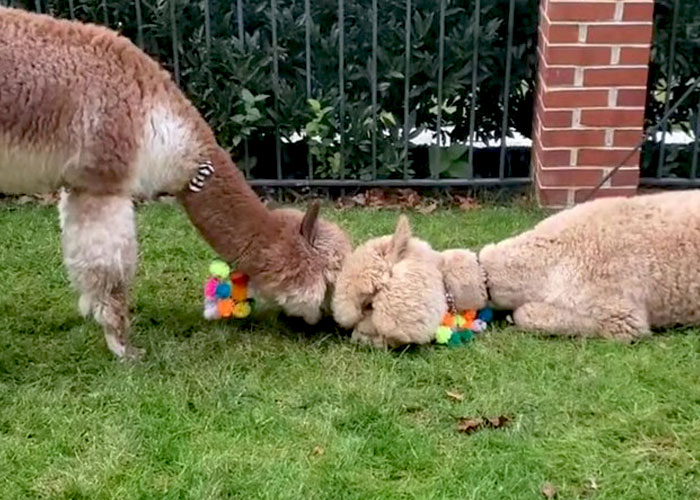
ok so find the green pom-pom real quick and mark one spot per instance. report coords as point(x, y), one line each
point(219, 268)
point(466, 335)
point(455, 340)
point(443, 334)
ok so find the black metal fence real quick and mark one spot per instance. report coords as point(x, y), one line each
point(670, 154)
point(454, 128)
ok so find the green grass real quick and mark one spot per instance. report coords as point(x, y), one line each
point(237, 410)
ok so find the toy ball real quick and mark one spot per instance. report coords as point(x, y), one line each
point(458, 329)
point(443, 334)
point(226, 293)
point(219, 269)
point(223, 291)
point(211, 311)
point(210, 288)
point(485, 315)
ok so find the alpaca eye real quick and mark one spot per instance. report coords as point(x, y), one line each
point(367, 307)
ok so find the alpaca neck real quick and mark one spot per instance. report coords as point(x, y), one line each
point(230, 216)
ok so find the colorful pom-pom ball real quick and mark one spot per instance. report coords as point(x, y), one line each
point(211, 311)
point(241, 310)
point(210, 288)
point(486, 315)
point(448, 320)
point(455, 339)
point(225, 308)
point(460, 322)
point(219, 268)
point(469, 316)
point(479, 326)
point(466, 335)
point(442, 335)
point(223, 290)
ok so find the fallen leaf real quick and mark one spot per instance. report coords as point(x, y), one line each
point(549, 490)
point(498, 422)
point(428, 209)
point(469, 425)
point(590, 487)
point(359, 199)
point(318, 451)
point(455, 395)
point(467, 202)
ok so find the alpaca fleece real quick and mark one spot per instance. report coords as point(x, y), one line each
point(614, 267)
point(85, 110)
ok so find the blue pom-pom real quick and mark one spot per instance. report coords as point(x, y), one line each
point(485, 315)
point(223, 290)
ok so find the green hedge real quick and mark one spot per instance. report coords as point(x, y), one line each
point(232, 85)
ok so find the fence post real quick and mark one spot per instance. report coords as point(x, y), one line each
point(593, 59)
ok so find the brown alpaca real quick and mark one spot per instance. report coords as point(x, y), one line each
point(83, 109)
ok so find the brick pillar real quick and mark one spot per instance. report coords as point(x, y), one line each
point(589, 112)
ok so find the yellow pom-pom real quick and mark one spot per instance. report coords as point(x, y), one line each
point(241, 310)
point(219, 269)
point(443, 334)
point(460, 322)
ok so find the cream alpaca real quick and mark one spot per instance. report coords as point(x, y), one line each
point(82, 108)
point(612, 268)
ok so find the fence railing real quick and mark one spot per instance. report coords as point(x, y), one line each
point(425, 93)
point(671, 152)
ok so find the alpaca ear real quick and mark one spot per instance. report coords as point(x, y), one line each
point(399, 242)
point(308, 223)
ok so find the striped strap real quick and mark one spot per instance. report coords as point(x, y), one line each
point(203, 173)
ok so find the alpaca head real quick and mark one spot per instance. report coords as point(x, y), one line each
point(391, 290)
point(301, 268)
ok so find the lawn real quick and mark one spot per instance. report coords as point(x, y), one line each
point(277, 410)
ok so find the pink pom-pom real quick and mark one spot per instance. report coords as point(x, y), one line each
point(479, 326)
point(211, 311)
point(210, 288)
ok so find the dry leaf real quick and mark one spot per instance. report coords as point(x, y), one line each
point(467, 202)
point(428, 209)
point(469, 425)
point(549, 490)
point(318, 451)
point(457, 396)
point(498, 422)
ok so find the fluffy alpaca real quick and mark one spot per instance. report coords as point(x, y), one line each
point(612, 268)
point(82, 108)
point(394, 290)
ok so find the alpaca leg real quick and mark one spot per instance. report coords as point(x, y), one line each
point(100, 254)
point(618, 321)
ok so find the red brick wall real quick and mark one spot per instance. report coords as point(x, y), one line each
point(589, 111)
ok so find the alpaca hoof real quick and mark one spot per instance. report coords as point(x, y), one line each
point(132, 353)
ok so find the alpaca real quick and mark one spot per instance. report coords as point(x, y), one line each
point(613, 268)
point(395, 290)
point(83, 109)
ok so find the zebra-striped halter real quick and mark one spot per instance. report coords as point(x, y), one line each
point(205, 171)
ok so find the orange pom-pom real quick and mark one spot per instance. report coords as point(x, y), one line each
point(469, 316)
point(448, 320)
point(240, 292)
point(225, 307)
